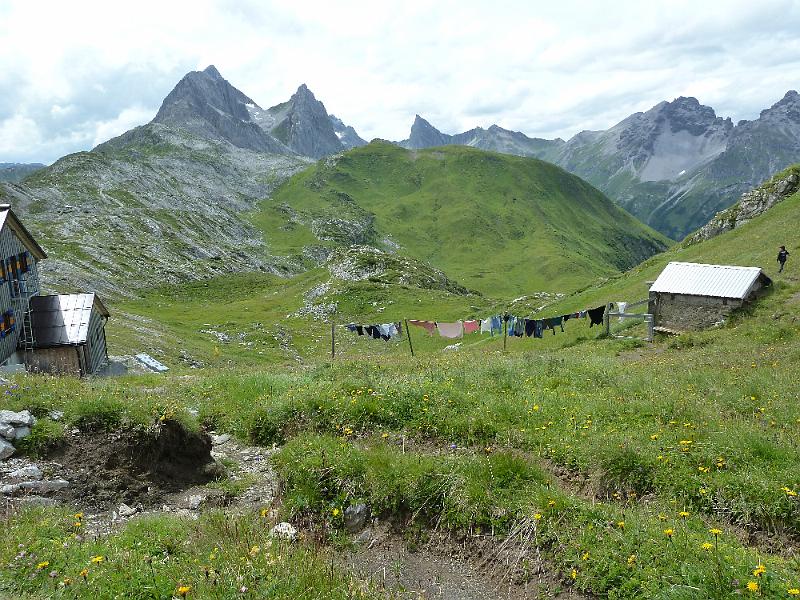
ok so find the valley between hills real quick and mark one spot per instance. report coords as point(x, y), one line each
point(235, 243)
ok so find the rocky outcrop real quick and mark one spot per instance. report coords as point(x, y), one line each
point(13, 426)
point(359, 263)
point(750, 205)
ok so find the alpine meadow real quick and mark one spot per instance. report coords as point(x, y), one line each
point(248, 353)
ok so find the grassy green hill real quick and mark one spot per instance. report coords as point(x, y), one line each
point(500, 224)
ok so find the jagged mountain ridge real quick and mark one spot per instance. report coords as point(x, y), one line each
point(207, 104)
point(673, 166)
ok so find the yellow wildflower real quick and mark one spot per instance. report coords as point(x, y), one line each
point(707, 546)
point(574, 574)
point(714, 531)
point(254, 550)
point(78, 516)
point(631, 560)
point(537, 516)
point(668, 532)
point(621, 524)
point(752, 586)
point(551, 503)
point(183, 590)
point(759, 570)
point(793, 591)
point(97, 559)
point(336, 512)
point(683, 514)
point(42, 565)
point(84, 573)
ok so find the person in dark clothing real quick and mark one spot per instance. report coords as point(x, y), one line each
point(783, 254)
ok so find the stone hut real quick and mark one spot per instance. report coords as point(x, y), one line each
point(69, 330)
point(691, 296)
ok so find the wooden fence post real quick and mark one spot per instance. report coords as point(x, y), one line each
point(333, 340)
point(505, 330)
point(408, 335)
point(607, 320)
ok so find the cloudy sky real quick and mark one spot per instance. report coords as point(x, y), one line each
point(73, 74)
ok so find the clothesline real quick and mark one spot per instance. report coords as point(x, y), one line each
point(515, 326)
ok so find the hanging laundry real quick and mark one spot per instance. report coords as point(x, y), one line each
point(355, 328)
point(622, 307)
point(492, 325)
point(538, 328)
point(530, 327)
point(429, 326)
point(451, 330)
point(581, 314)
point(596, 315)
point(471, 326)
point(554, 322)
point(516, 326)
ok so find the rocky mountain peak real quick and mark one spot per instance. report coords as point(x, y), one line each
point(304, 125)
point(785, 109)
point(425, 135)
point(204, 103)
point(212, 71)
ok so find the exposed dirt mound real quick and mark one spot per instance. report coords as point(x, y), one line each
point(138, 466)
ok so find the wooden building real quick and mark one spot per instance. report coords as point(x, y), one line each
point(19, 281)
point(691, 296)
point(69, 334)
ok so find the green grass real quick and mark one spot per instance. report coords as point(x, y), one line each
point(608, 442)
point(221, 557)
point(496, 223)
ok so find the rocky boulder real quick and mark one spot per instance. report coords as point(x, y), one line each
point(750, 205)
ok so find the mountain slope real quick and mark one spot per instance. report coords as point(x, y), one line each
point(673, 166)
point(496, 223)
point(159, 205)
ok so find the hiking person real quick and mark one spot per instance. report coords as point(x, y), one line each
point(783, 254)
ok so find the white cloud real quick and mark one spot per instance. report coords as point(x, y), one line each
point(127, 119)
point(84, 70)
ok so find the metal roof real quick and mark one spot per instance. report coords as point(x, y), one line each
point(718, 281)
point(64, 319)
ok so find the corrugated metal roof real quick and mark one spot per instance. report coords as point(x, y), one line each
point(695, 279)
point(61, 320)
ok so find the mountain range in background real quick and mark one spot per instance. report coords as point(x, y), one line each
point(174, 199)
point(673, 166)
point(15, 172)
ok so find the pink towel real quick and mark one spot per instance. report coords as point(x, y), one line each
point(471, 326)
point(451, 330)
point(429, 326)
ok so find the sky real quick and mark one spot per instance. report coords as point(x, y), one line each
point(74, 74)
